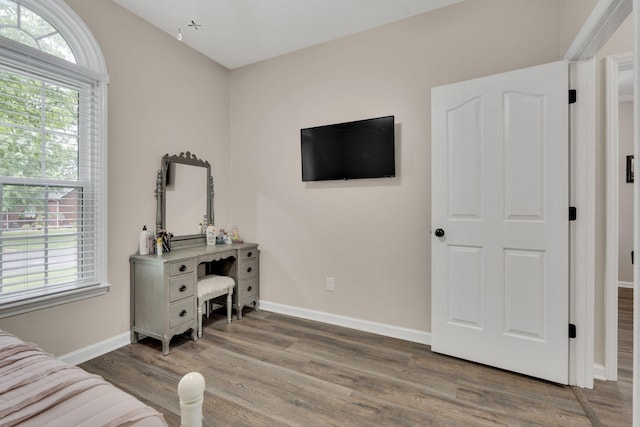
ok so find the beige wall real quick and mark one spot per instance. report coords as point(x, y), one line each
point(574, 13)
point(373, 235)
point(163, 98)
point(625, 196)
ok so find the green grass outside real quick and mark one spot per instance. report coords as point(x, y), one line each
point(22, 240)
point(35, 280)
point(32, 239)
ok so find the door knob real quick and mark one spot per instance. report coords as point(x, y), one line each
point(439, 232)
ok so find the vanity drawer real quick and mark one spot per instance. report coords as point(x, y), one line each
point(181, 312)
point(247, 253)
point(181, 267)
point(181, 287)
point(248, 288)
point(248, 268)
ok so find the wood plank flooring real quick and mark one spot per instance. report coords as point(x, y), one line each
point(272, 370)
point(612, 400)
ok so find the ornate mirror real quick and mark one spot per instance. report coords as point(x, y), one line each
point(184, 194)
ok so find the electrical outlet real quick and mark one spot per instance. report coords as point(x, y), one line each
point(331, 284)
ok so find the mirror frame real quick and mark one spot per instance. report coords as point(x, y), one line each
point(161, 182)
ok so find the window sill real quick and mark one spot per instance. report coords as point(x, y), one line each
point(14, 308)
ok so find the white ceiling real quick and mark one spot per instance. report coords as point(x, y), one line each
point(240, 32)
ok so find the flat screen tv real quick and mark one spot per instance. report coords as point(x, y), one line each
point(352, 150)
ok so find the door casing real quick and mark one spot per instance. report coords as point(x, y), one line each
point(604, 20)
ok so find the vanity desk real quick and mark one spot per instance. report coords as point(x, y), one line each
point(163, 288)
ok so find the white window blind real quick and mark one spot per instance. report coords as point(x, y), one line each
point(50, 182)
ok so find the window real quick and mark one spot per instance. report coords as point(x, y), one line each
point(52, 158)
point(21, 24)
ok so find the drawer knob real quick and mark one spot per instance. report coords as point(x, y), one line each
point(183, 313)
point(183, 268)
point(249, 288)
point(249, 254)
point(249, 270)
point(183, 288)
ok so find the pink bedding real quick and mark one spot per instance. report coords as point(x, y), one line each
point(36, 390)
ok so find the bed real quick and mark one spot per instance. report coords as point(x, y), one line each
point(36, 389)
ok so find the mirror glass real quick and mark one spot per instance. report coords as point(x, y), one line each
point(184, 193)
point(185, 199)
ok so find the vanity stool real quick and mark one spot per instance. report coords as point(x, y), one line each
point(213, 286)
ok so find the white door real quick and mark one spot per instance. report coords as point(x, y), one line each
point(500, 195)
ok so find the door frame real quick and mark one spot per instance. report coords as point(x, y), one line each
point(614, 64)
point(604, 20)
point(582, 131)
point(636, 219)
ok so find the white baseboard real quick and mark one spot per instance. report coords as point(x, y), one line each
point(599, 372)
point(406, 334)
point(97, 349)
point(413, 335)
point(625, 285)
point(114, 343)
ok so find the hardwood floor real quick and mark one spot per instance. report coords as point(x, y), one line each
point(269, 370)
point(612, 400)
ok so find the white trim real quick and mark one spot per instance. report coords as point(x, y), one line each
point(599, 372)
point(613, 65)
point(73, 29)
point(605, 19)
point(392, 331)
point(98, 349)
point(91, 62)
point(628, 285)
point(412, 335)
point(21, 306)
point(582, 231)
point(636, 218)
point(18, 53)
point(91, 68)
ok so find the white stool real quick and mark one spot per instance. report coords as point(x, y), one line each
point(213, 286)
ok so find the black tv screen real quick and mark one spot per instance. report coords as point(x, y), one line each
point(352, 150)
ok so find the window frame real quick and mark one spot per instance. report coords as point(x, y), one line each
point(89, 69)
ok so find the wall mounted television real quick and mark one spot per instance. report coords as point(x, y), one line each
point(351, 150)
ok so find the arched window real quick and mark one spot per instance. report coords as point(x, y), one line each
point(23, 25)
point(52, 157)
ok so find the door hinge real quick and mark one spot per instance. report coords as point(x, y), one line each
point(572, 330)
point(573, 96)
point(573, 213)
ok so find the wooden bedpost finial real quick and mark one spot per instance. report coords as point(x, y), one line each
point(191, 392)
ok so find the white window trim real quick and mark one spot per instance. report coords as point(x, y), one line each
point(91, 64)
point(64, 19)
point(50, 300)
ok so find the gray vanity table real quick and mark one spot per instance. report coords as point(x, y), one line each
point(163, 287)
